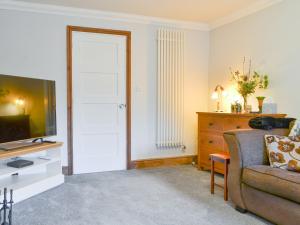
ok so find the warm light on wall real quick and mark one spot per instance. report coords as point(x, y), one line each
point(214, 95)
point(232, 97)
point(20, 102)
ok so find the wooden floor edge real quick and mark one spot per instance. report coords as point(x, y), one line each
point(162, 162)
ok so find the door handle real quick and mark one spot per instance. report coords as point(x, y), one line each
point(122, 106)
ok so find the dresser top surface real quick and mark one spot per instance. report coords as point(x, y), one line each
point(240, 114)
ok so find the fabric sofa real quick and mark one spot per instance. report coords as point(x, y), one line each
point(254, 186)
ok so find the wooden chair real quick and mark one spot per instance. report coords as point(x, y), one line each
point(223, 158)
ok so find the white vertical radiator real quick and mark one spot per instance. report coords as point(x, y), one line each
point(170, 89)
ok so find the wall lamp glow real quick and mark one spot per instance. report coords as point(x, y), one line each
point(21, 103)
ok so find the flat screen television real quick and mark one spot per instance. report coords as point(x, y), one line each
point(27, 108)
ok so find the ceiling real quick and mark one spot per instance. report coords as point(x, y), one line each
point(204, 11)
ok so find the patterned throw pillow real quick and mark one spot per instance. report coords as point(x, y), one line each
point(284, 152)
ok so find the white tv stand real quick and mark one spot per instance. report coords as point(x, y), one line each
point(44, 174)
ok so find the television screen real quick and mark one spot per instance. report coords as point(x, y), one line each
point(27, 108)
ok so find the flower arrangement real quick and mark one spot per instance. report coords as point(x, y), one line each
point(248, 82)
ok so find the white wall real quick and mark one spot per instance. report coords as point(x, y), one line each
point(34, 45)
point(271, 38)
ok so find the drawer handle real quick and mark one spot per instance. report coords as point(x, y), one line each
point(238, 127)
point(210, 124)
point(210, 142)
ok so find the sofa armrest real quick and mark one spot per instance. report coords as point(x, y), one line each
point(247, 147)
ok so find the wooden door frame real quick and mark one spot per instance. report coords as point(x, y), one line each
point(127, 34)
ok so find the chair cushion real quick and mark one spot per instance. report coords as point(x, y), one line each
point(283, 183)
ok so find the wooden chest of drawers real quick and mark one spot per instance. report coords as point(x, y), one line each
point(211, 127)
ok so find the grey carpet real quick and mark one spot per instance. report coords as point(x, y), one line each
point(165, 196)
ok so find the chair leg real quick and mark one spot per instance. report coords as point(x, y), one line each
point(225, 181)
point(212, 177)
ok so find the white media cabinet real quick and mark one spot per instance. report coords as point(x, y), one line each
point(44, 174)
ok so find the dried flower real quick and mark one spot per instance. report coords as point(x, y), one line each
point(247, 83)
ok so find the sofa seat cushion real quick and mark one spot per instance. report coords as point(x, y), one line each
point(283, 183)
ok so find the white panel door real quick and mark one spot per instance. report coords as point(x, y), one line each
point(99, 101)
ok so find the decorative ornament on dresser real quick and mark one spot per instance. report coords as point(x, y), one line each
point(236, 107)
point(248, 81)
point(260, 100)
